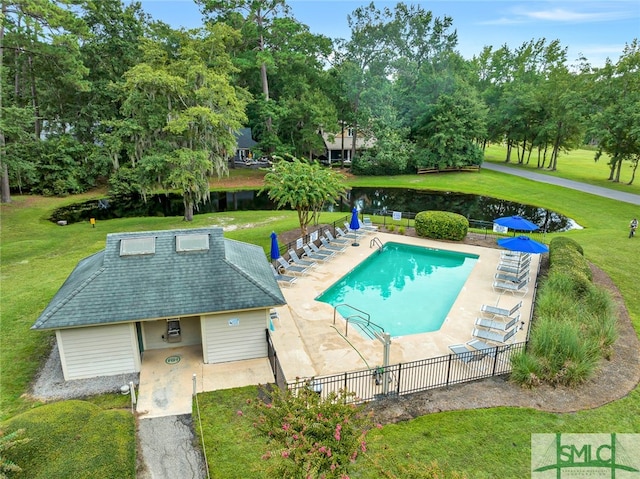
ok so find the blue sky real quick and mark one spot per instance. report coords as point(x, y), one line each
point(595, 29)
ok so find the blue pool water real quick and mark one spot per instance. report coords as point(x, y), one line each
point(405, 289)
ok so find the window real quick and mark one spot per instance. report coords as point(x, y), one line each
point(350, 132)
point(137, 246)
point(192, 242)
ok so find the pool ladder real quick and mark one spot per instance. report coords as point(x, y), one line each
point(375, 241)
point(361, 319)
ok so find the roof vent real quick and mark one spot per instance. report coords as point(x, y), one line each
point(193, 242)
point(137, 246)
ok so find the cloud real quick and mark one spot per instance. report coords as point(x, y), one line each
point(522, 15)
point(562, 15)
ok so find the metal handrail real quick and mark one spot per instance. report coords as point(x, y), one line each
point(375, 241)
point(335, 310)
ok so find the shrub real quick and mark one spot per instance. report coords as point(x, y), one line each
point(401, 230)
point(575, 324)
point(441, 225)
point(310, 436)
point(391, 227)
point(560, 242)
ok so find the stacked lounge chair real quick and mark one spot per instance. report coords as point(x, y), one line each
point(514, 278)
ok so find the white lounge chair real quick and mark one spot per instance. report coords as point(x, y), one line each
point(465, 354)
point(327, 252)
point(513, 288)
point(486, 348)
point(498, 325)
point(282, 278)
point(328, 246)
point(342, 234)
point(513, 268)
point(496, 311)
point(367, 225)
point(308, 253)
point(494, 336)
point(361, 231)
point(295, 259)
point(291, 268)
point(333, 239)
point(514, 278)
point(514, 256)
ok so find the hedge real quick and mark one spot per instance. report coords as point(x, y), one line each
point(441, 225)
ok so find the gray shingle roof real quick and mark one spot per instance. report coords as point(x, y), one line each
point(108, 288)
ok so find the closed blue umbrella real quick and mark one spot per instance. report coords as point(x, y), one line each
point(355, 225)
point(275, 248)
point(516, 223)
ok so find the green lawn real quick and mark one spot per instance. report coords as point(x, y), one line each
point(578, 165)
point(38, 255)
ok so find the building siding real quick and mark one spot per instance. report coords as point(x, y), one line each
point(153, 331)
point(234, 336)
point(98, 351)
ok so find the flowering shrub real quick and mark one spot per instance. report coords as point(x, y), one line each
point(311, 437)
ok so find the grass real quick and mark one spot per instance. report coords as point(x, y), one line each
point(75, 439)
point(37, 256)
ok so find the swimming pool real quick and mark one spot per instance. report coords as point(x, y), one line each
point(405, 289)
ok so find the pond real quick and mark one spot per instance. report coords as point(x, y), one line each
point(369, 200)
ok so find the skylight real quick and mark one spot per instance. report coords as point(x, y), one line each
point(137, 246)
point(192, 242)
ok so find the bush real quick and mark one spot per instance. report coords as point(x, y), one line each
point(560, 242)
point(401, 230)
point(310, 436)
point(574, 327)
point(441, 225)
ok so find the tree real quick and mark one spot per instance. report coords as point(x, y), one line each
point(450, 129)
point(305, 187)
point(184, 111)
point(615, 124)
point(39, 57)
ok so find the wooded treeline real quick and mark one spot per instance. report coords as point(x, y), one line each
point(96, 91)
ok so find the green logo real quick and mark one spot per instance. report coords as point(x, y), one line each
point(615, 456)
point(172, 360)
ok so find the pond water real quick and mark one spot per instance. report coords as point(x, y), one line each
point(369, 200)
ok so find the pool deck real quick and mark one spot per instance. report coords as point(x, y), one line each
point(309, 344)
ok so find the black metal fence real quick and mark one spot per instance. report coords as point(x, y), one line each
point(276, 367)
point(405, 378)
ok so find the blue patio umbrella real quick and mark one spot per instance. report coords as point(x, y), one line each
point(355, 225)
point(275, 248)
point(523, 244)
point(516, 223)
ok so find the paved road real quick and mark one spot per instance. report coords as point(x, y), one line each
point(574, 185)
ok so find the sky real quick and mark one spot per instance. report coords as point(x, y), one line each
point(595, 29)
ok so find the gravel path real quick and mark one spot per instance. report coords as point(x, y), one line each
point(50, 385)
